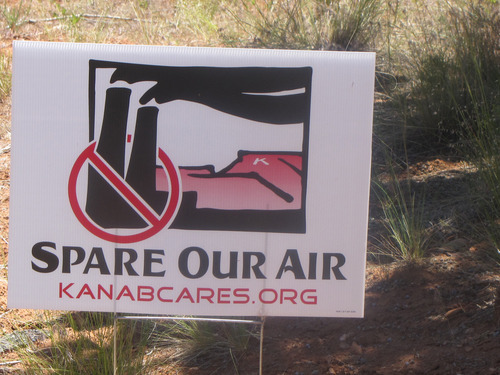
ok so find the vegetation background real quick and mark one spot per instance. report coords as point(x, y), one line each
point(433, 283)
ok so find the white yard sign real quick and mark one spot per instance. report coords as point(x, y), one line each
point(192, 181)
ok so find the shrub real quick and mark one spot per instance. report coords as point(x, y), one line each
point(458, 73)
point(312, 24)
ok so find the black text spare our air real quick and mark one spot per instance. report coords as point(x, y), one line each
point(48, 258)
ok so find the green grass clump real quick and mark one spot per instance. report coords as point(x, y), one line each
point(457, 70)
point(199, 16)
point(82, 343)
point(477, 103)
point(14, 15)
point(5, 77)
point(312, 24)
point(192, 343)
point(406, 235)
point(484, 146)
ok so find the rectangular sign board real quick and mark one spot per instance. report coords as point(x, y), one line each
point(189, 181)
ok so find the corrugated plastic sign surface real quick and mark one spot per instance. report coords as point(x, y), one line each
point(189, 181)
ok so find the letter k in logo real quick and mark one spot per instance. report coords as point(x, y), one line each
point(260, 160)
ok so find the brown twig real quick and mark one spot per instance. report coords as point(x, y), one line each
point(83, 15)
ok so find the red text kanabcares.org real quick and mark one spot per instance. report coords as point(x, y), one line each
point(196, 295)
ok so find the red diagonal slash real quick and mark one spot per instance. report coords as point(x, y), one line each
point(119, 184)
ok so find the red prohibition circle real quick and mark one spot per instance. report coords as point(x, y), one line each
point(171, 207)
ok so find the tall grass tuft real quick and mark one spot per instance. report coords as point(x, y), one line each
point(5, 90)
point(457, 66)
point(199, 17)
point(476, 101)
point(202, 344)
point(451, 93)
point(82, 343)
point(13, 14)
point(483, 127)
point(5, 77)
point(406, 235)
point(312, 24)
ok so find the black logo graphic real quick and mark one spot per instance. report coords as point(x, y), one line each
point(135, 176)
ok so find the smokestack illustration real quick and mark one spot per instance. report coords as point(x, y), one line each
point(105, 205)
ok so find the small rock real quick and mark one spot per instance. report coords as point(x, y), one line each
point(361, 361)
point(18, 339)
point(356, 348)
point(345, 336)
point(468, 349)
point(315, 372)
point(469, 331)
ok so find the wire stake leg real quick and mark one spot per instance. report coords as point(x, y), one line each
point(115, 319)
point(261, 349)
